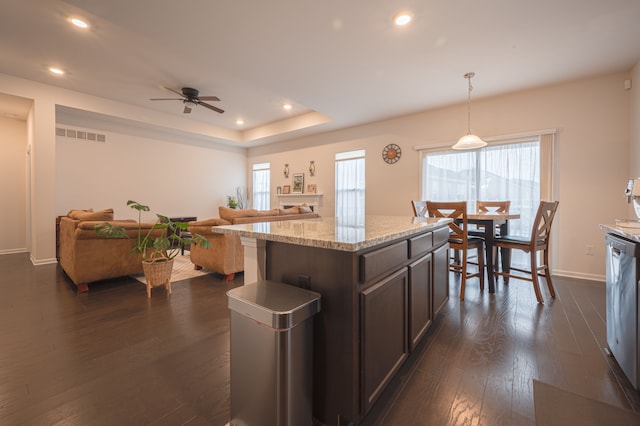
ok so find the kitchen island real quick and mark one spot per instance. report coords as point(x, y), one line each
point(382, 281)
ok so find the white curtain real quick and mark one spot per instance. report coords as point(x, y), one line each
point(497, 172)
point(350, 191)
point(261, 193)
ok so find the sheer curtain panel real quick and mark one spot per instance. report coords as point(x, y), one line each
point(261, 186)
point(350, 188)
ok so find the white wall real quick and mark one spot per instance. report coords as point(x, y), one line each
point(591, 157)
point(173, 179)
point(13, 185)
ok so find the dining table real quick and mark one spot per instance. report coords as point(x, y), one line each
point(487, 223)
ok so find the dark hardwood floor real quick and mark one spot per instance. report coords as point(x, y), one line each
point(112, 356)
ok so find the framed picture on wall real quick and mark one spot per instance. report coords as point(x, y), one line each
point(298, 183)
point(311, 188)
point(279, 190)
point(286, 189)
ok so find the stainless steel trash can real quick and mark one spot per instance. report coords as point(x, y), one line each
point(271, 354)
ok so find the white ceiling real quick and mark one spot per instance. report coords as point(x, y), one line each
point(340, 58)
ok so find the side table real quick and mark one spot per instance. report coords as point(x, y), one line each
point(183, 234)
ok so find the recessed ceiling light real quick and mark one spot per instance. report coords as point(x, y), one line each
point(239, 122)
point(56, 70)
point(402, 18)
point(79, 23)
point(287, 106)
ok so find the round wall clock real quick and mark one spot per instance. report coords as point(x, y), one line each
point(391, 153)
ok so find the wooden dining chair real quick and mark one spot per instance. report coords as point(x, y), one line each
point(537, 241)
point(419, 208)
point(490, 206)
point(486, 207)
point(459, 240)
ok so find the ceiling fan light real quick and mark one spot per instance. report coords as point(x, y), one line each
point(469, 142)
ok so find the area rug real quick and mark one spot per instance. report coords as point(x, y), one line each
point(554, 406)
point(182, 270)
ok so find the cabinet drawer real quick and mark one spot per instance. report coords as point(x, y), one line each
point(381, 261)
point(440, 236)
point(420, 245)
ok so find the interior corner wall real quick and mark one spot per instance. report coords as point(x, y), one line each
point(13, 183)
point(634, 156)
point(591, 157)
point(42, 182)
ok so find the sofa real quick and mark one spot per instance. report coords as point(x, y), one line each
point(225, 254)
point(85, 257)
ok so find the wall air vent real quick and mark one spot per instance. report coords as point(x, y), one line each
point(81, 134)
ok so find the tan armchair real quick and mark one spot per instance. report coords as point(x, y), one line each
point(85, 257)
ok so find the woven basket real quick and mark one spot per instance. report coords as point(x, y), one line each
point(158, 271)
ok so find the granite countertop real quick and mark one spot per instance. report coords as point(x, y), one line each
point(336, 233)
point(630, 233)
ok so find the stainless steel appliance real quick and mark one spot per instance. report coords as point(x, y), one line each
point(623, 326)
point(623, 295)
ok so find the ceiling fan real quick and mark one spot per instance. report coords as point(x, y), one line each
point(190, 99)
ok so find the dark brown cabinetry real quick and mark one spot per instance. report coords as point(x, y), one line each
point(420, 308)
point(383, 329)
point(440, 278)
point(377, 304)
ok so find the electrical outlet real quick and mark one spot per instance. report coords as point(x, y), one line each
point(589, 251)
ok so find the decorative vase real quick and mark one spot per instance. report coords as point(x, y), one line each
point(158, 272)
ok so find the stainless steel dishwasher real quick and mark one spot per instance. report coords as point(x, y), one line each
point(623, 322)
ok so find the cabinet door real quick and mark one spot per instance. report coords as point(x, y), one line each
point(440, 278)
point(383, 334)
point(419, 299)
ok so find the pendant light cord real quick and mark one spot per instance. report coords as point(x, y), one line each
point(468, 77)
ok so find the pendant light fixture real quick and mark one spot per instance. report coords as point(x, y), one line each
point(469, 141)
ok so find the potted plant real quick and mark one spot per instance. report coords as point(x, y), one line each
point(232, 202)
point(157, 252)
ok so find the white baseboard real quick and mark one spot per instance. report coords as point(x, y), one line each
point(37, 262)
point(579, 275)
point(13, 251)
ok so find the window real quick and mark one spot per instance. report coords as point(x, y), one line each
point(518, 170)
point(350, 187)
point(261, 185)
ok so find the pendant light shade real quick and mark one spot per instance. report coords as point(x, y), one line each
point(469, 141)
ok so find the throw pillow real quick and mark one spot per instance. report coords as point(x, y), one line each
point(272, 212)
point(305, 208)
point(72, 212)
point(229, 214)
point(290, 210)
point(106, 214)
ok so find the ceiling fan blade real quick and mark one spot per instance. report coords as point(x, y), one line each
point(187, 110)
point(165, 99)
point(174, 91)
point(208, 98)
point(216, 109)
